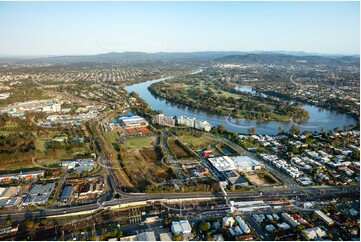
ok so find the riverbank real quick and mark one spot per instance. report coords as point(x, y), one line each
point(319, 118)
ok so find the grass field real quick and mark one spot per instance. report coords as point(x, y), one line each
point(144, 166)
point(139, 142)
point(110, 138)
point(195, 142)
point(177, 149)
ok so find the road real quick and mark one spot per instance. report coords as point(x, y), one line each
point(308, 193)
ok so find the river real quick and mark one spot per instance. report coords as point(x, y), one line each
point(319, 117)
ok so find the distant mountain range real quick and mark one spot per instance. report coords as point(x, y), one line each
point(259, 57)
point(283, 59)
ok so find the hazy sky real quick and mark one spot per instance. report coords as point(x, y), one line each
point(50, 28)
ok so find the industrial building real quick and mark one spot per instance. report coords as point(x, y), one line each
point(39, 194)
point(235, 178)
point(26, 175)
point(134, 121)
point(8, 196)
point(66, 194)
point(181, 227)
point(235, 163)
point(82, 190)
point(46, 105)
point(246, 163)
point(79, 165)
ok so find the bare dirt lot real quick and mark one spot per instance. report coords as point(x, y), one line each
point(262, 179)
point(144, 166)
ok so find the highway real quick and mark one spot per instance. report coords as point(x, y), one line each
point(308, 193)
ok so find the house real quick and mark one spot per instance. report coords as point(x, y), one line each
point(321, 215)
point(218, 237)
point(228, 221)
point(232, 232)
point(288, 219)
point(165, 236)
point(313, 233)
point(238, 230)
point(242, 224)
point(216, 225)
point(270, 228)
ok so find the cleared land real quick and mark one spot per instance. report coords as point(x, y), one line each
point(263, 179)
point(143, 165)
point(178, 149)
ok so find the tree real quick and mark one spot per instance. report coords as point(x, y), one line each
point(280, 129)
point(203, 226)
point(177, 237)
point(8, 222)
point(44, 222)
point(252, 130)
point(356, 154)
point(221, 129)
point(295, 129)
point(29, 224)
point(209, 236)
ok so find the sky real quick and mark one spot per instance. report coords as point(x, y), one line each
point(78, 28)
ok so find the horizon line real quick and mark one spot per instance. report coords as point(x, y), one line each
point(175, 52)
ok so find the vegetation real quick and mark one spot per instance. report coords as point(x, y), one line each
point(206, 92)
point(143, 165)
point(16, 146)
point(199, 186)
point(179, 150)
point(203, 226)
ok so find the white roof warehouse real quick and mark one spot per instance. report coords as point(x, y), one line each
point(235, 163)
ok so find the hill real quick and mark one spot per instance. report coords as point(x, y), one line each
point(283, 59)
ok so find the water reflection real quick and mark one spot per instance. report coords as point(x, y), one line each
point(319, 117)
